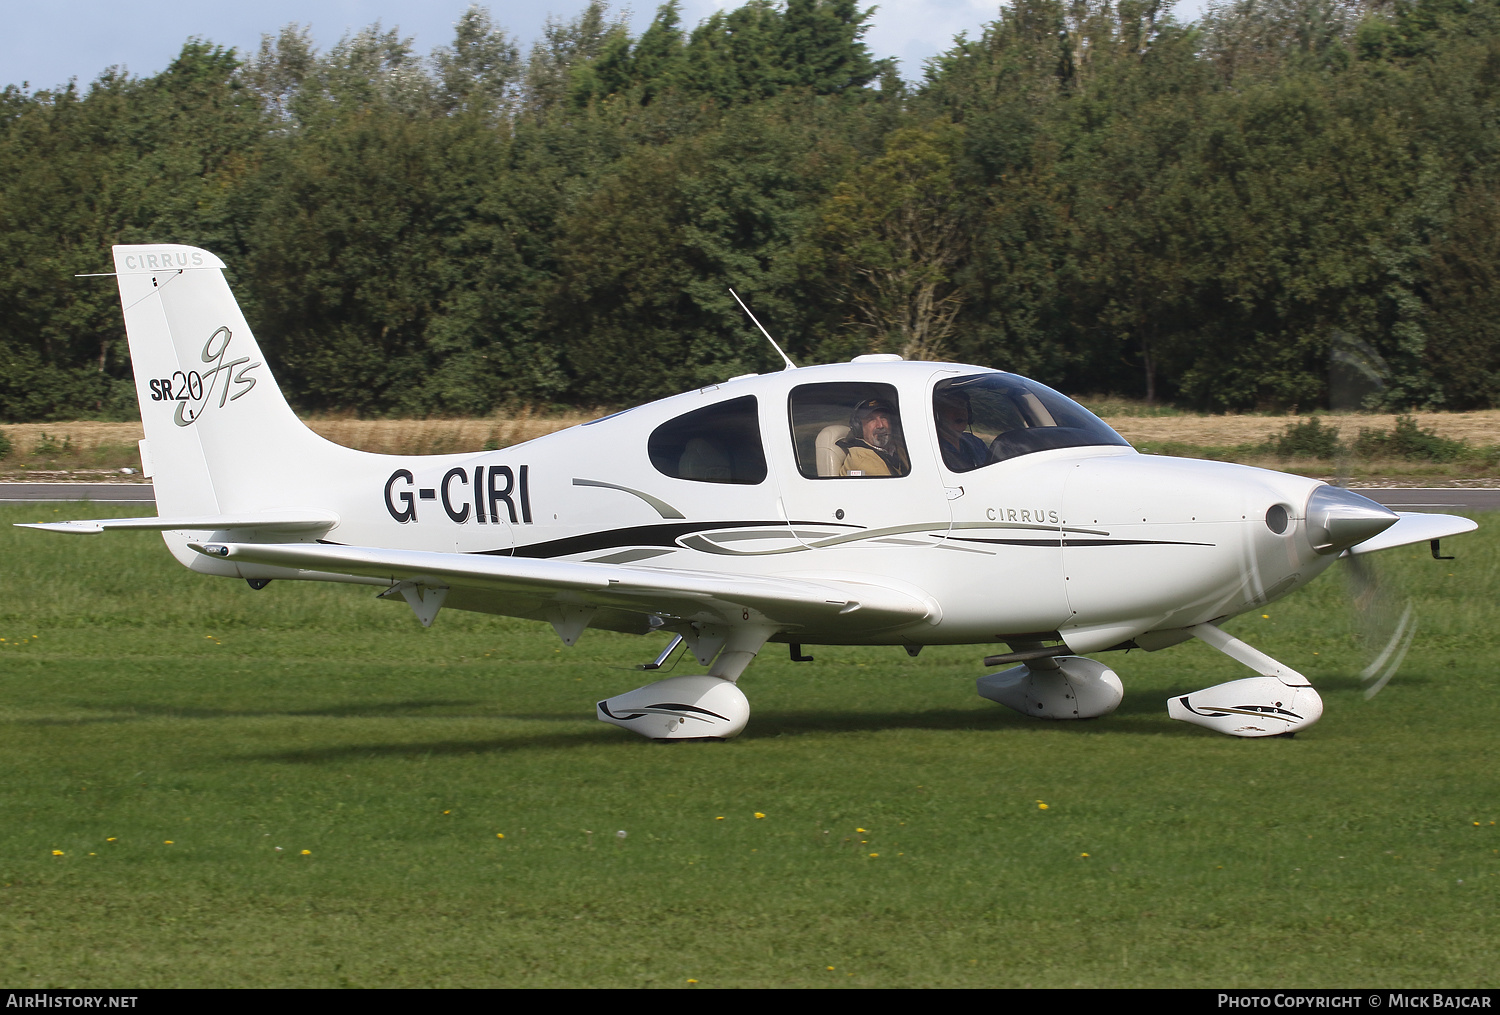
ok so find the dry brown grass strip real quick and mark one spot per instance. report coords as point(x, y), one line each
point(84, 436)
point(1216, 431)
point(392, 437)
point(438, 436)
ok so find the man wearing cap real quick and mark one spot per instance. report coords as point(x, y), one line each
point(873, 447)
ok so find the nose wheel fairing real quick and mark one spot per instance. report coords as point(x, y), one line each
point(1252, 707)
point(1279, 702)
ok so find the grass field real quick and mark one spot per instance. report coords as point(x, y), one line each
point(204, 785)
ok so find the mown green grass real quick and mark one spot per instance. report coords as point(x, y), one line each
point(141, 704)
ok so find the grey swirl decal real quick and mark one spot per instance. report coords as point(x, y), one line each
point(193, 390)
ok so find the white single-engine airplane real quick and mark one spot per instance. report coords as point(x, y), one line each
point(877, 502)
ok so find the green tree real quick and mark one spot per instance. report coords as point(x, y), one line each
point(130, 160)
point(480, 71)
point(892, 236)
point(1464, 280)
point(645, 260)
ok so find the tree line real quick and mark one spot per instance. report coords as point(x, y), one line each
point(1091, 192)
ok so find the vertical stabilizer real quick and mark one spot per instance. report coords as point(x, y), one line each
point(216, 423)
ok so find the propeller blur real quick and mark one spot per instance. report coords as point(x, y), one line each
point(877, 502)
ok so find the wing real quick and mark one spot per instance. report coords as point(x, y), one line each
point(710, 597)
point(1415, 527)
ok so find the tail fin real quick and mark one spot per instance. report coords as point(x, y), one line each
point(219, 433)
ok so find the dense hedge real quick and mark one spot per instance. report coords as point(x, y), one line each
point(1092, 193)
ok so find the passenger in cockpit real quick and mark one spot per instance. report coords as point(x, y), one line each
point(874, 446)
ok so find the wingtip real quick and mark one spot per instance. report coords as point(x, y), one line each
point(72, 528)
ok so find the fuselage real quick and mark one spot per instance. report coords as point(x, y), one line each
point(1090, 541)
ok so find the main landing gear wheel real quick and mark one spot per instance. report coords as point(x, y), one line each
point(1062, 687)
point(680, 708)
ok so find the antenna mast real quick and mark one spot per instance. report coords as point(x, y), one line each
point(789, 364)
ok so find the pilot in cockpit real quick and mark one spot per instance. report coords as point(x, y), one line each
point(962, 450)
point(874, 446)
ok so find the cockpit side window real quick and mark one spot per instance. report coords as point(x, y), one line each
point(986, 418)
point(716, 444)
point(848, 430)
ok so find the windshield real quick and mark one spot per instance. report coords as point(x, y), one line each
point(987, 418)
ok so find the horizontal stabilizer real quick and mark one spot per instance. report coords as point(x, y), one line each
point(282, 522)
point(1416, 527)
point(691, 595)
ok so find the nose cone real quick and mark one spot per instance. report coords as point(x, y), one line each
point(1338, 519)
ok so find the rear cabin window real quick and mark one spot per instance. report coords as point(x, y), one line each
point(848, 430)
point(716, 444)
point(982, 419)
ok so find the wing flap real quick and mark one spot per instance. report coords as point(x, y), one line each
point(690, 595)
